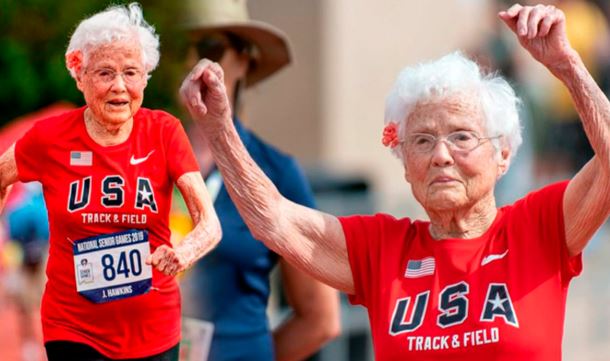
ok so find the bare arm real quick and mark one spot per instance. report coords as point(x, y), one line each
point(586, 203)
point(312, 241)
point(315, 318)
point(203, 238)
point(8, 174)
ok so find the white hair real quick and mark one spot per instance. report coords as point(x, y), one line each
point(116, 23)
point(455, 74)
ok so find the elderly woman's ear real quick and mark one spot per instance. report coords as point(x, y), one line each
point(503, 161)
point(406, 174)
point(79, 82)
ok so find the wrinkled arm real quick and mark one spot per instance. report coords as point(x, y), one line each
point(308, 239)
point(586, 203)
point(202, 239)
point(8, 174)
point(207, 232)
point(315, 319)
point(541, 30)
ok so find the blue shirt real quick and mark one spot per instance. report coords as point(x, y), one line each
point(230, 285)
point(28, 223)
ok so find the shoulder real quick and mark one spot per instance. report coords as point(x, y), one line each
point(379, 222)
point(546, 197)
point(57, 124)
point(157, 118)
point(49, 130)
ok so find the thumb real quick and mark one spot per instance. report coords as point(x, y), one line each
point(509, 20)
point(213, 82)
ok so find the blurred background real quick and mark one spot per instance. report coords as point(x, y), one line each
point(327, 110)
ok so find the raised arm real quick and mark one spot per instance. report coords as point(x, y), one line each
point(8, 174)
point(310, 240)
point(586, 205)
point(202, 239)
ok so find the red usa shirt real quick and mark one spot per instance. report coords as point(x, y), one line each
point(93, 190)
point(500, 296)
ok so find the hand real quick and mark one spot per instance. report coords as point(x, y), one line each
point(541, 30)
point(205, 96)
point(165, 259)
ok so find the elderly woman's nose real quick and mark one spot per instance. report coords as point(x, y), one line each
point(441, 154)
point(118, 83)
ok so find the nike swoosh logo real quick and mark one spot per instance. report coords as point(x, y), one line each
point(493, 257)
point(136, 161)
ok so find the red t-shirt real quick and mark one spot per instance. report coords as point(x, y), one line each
point(82, 184)
point(500, 296)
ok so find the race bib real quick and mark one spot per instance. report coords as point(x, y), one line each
point(111, 266)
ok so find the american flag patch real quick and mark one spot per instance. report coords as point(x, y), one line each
point(420, 268)
point(81, 158)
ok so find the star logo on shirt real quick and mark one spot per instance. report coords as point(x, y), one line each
point(497, 302)
point(146, 195)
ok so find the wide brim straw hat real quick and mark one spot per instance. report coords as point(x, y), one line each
point(271, 50)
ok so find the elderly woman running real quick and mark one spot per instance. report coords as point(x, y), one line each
point(108, 170)
point(476, 281)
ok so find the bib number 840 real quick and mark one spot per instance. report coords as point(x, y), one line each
point(127, 264)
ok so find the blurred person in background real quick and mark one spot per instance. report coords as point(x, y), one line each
point(26, 222)
point(107, 171)
point(230, 287)
point(476, 281)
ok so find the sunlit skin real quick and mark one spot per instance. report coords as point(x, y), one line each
point(451, 184)
point(112, 105)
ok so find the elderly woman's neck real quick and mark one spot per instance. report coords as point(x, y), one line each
point(104, 133)
point(468, 222)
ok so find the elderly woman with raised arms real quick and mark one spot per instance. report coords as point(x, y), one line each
point(475, 282)
point(108, 170)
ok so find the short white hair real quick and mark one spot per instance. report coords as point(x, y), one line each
point(455, 74)
point(116, 23)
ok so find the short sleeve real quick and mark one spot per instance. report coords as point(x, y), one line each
point(30, 151)
point(181, 158)
point(545, 208)
point(362, 238)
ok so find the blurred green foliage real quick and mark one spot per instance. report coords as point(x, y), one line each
point(34, 35)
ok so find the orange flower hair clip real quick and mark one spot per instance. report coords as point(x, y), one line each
point(74, 60)
point(390, 135)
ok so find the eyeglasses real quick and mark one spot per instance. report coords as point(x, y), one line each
point(461, 140)
point(130, 76)
point(213, 46)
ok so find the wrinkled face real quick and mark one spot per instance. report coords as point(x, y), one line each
point(445, 177)
point(113, 81)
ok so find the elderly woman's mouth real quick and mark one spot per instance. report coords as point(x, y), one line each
point(443, 180)
point(118, 103)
